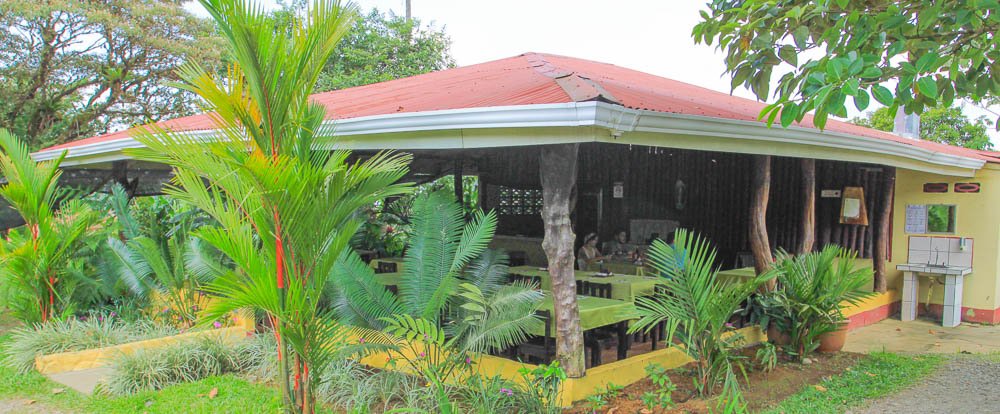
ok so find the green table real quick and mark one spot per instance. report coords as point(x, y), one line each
point(623, 267)
point(595, 312)
point(737, 275)
point(623, 287)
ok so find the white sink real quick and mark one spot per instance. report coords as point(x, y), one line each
point(953, 287)
point(935, 269)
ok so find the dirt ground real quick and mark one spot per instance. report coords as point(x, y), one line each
point(764, 390)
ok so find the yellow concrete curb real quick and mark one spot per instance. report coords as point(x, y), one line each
point(623, 372)
point(99, 357)
point(890, 296)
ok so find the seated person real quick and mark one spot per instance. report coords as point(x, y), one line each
point(619, 246)
point(588, 253)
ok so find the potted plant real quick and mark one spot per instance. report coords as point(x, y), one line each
point(805, 306)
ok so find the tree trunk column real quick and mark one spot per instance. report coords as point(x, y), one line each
point(558, 176)
point(761, 186)
point(808, 206)
point(459, 185)
point(884, 225)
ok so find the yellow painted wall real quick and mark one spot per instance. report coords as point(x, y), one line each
point(978, 217)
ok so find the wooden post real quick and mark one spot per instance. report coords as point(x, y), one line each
point(808, 235)
point(558, 176)
point(884, 225)
point(761, 185)
point(459, 188)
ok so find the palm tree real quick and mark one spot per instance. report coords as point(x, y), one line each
point(38, 273)
point(696, 306)
point(286, 210)
point(453, 292)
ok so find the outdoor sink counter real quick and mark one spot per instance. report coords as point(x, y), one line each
point(943, 257)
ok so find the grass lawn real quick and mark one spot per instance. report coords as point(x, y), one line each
point(235, 396)
point(876, 375)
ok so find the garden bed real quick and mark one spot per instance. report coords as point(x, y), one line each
point(765, 389)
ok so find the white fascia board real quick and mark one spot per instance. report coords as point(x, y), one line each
point(618, 118)
point(615, 118)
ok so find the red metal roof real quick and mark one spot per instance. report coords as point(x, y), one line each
point(534, 78)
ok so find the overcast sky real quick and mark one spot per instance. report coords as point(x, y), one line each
point(652, 36)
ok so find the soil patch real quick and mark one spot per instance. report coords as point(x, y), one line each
point(764, 390)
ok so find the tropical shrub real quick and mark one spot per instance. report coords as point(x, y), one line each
point(454, 299)
point(811, 288)
point(162, 260)
point(76, 334)
point(40, 263)
point(543, 388)
point(662, 396)
point(286, 205)
point(696, 307)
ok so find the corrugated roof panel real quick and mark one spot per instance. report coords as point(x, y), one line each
point(534, 78)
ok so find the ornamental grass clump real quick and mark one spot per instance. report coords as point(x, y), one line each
point(94, 331)
point(156, 368)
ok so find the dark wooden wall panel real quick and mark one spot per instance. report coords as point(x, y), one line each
point(717, 199)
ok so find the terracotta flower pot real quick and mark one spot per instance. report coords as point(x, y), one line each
point(779, 338)
point(834, 341)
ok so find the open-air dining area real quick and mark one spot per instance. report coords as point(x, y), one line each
point(301, 207)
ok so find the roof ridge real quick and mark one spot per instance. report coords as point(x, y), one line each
point(579, 88)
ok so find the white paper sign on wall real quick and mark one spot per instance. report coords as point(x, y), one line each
point(916, 218)
point(618, 190)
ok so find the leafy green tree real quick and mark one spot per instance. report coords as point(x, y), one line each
point(71, 69)
point(286, 210)
point(381, 47)
point(945, 125)
point(833, 50)
point(39, 262)
point(384, 47)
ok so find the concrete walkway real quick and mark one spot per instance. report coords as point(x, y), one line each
point(924, 336)
point(83, 381)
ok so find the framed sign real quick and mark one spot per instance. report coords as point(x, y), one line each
point(852, 206)
point(618, 190)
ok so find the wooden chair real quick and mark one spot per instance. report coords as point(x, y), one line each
point(744, 259)
point(517, 258)
point(537, 348)
point(595, 289)
point(366, 255)
point(386, 267)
